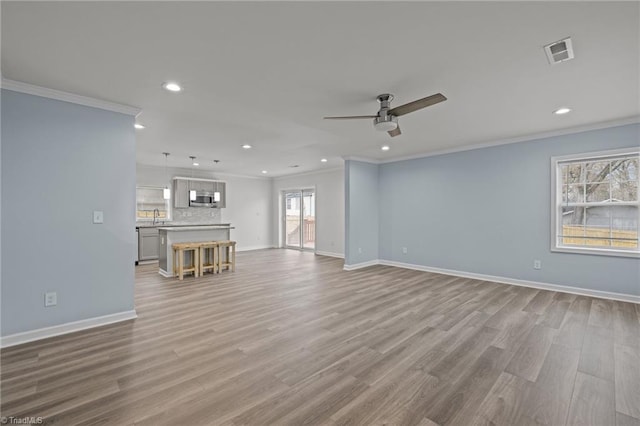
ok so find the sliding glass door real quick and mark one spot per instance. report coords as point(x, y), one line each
point(300, 219)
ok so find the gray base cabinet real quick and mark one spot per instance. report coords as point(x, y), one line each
point(148, 244)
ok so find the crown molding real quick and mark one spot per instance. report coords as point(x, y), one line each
point(362, 159)
point(310, 172)
point(31, 89)
point(534, 136)
point(186, 171)
point(488, 144)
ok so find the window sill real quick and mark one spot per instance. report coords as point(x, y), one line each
point(596, 251)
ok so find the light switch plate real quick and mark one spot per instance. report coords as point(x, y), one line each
point(50, 299)
point(98, 216)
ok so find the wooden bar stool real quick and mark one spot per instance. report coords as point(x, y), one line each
point(227, 255)
point(179, 251)
point(209, 255)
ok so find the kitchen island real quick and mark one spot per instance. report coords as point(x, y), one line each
point(186, 234)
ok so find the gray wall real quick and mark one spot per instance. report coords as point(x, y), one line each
point(361, 212)
point(487, 211)
point(484, 211)
point(61, 161)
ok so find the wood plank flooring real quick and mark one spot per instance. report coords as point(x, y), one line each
point(292, 339)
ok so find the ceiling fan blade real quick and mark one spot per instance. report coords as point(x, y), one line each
point(352, 117)
point(416, 105)
point(395, 132)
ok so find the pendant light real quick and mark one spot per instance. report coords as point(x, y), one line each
point(166, 192)
point(216, 194)
point(192, 192)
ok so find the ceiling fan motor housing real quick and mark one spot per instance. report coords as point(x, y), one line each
point(385, 122)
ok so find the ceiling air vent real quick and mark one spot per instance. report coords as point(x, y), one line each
point(559, 51)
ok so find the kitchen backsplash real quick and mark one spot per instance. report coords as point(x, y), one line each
point(197, 215)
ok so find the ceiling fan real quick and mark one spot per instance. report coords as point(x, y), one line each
point(387, 118)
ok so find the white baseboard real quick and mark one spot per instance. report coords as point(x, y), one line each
point(512, 281)
point(330, 254)
point(361, 265)
point(70, 327)
point(251, 248)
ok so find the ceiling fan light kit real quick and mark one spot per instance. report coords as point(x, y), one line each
point(385, 123)
point(387, 118)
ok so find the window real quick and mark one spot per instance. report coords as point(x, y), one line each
point(150, 200)
point(595, 203)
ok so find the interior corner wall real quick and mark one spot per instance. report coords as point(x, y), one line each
point(487, 211)
point(361, 212)
point(329, 187)
point(60, 162)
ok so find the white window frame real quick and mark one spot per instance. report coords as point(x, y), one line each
point(167, 203)
point(556, 203)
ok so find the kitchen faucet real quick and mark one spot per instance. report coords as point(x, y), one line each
point(156, 215)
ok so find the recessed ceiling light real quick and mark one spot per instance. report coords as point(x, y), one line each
point(264, 172)
point(172, 86)
point(196, 164)
point(385, 147)
point(246, 146)
point(324, 160)
point(563, 110)
point(138, 126)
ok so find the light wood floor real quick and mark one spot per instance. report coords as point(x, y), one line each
point(292, 339)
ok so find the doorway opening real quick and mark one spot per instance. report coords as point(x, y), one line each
point(299, 219)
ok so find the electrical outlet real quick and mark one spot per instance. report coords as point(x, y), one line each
point(360, 250)
point(404, 250)
point(537, 264)
point(50, 299)
point(98, 216)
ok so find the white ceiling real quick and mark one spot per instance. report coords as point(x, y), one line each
point(266, 73)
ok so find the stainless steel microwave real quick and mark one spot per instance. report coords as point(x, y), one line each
point(203, 199)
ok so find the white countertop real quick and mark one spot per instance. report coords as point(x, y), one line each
point(195, 228)
point(176, 224)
